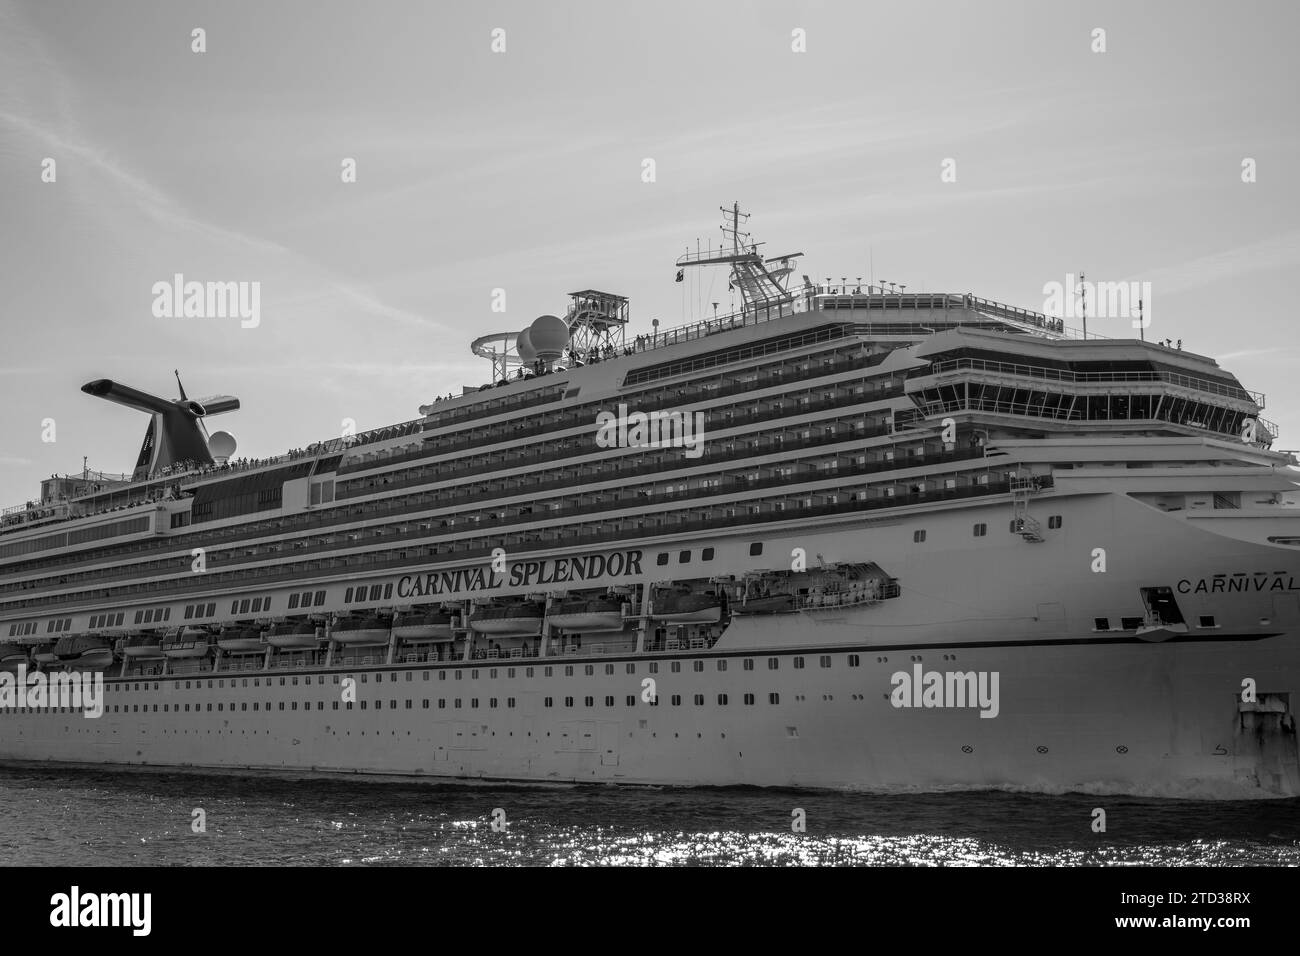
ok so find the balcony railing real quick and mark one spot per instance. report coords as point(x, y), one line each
point(392, 559)
point(1066, 375)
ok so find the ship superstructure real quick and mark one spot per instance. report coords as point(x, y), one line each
point(885, 483)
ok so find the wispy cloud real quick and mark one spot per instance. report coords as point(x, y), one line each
point(1267, 255)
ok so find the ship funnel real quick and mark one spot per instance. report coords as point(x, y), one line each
point(173, 434)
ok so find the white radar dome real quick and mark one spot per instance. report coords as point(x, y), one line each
point(524, 346)
point(221, 445)
point(549, 335)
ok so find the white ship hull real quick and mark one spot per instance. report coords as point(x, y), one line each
point(1096, 719)
point(1079, 708)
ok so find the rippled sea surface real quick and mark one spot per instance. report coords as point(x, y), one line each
point(130, 817)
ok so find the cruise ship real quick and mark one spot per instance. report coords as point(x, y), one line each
point(845, 537)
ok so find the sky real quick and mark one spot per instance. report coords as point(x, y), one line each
point(523, 170)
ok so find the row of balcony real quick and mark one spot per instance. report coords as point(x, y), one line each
point(572, 536)
point(622, 498)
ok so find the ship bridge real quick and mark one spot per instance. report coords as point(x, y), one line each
point(1113, 383)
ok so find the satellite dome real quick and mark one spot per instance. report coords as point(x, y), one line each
point(221, 445)
point(524, 346)
point(549, 335)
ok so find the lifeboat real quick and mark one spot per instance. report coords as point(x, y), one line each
point(187, 642)
point(767, 604)
point(11, 655)
point(293, 634)
point(44, 654)
point(685, 606)
point(84, 652)
point(360, 630)
point(594, 614)
point(143, 646)
point(430, 626)
point(522, 617)
point(240, 640)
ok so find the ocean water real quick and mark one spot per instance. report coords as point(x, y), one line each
point(78, 817)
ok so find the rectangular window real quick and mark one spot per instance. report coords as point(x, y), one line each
point(918, 536)
point(798, 663)
point(677, 700)
point(980, 530)
point(749, 698)
point(588, 701)
point(773, 663)
point(824, 660)
point(293, 602)
point(755, 549)
point(662, 558)
point(774, 698)
point(707, 554)
point(1207, 620)
point(1101, 624)
point(854, 660)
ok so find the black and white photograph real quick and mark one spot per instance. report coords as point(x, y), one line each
point(694, 435)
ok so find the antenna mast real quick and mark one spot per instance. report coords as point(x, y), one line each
point(1083, 293)
point(760, 287)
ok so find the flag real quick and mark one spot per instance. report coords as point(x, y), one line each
point(681, 274)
